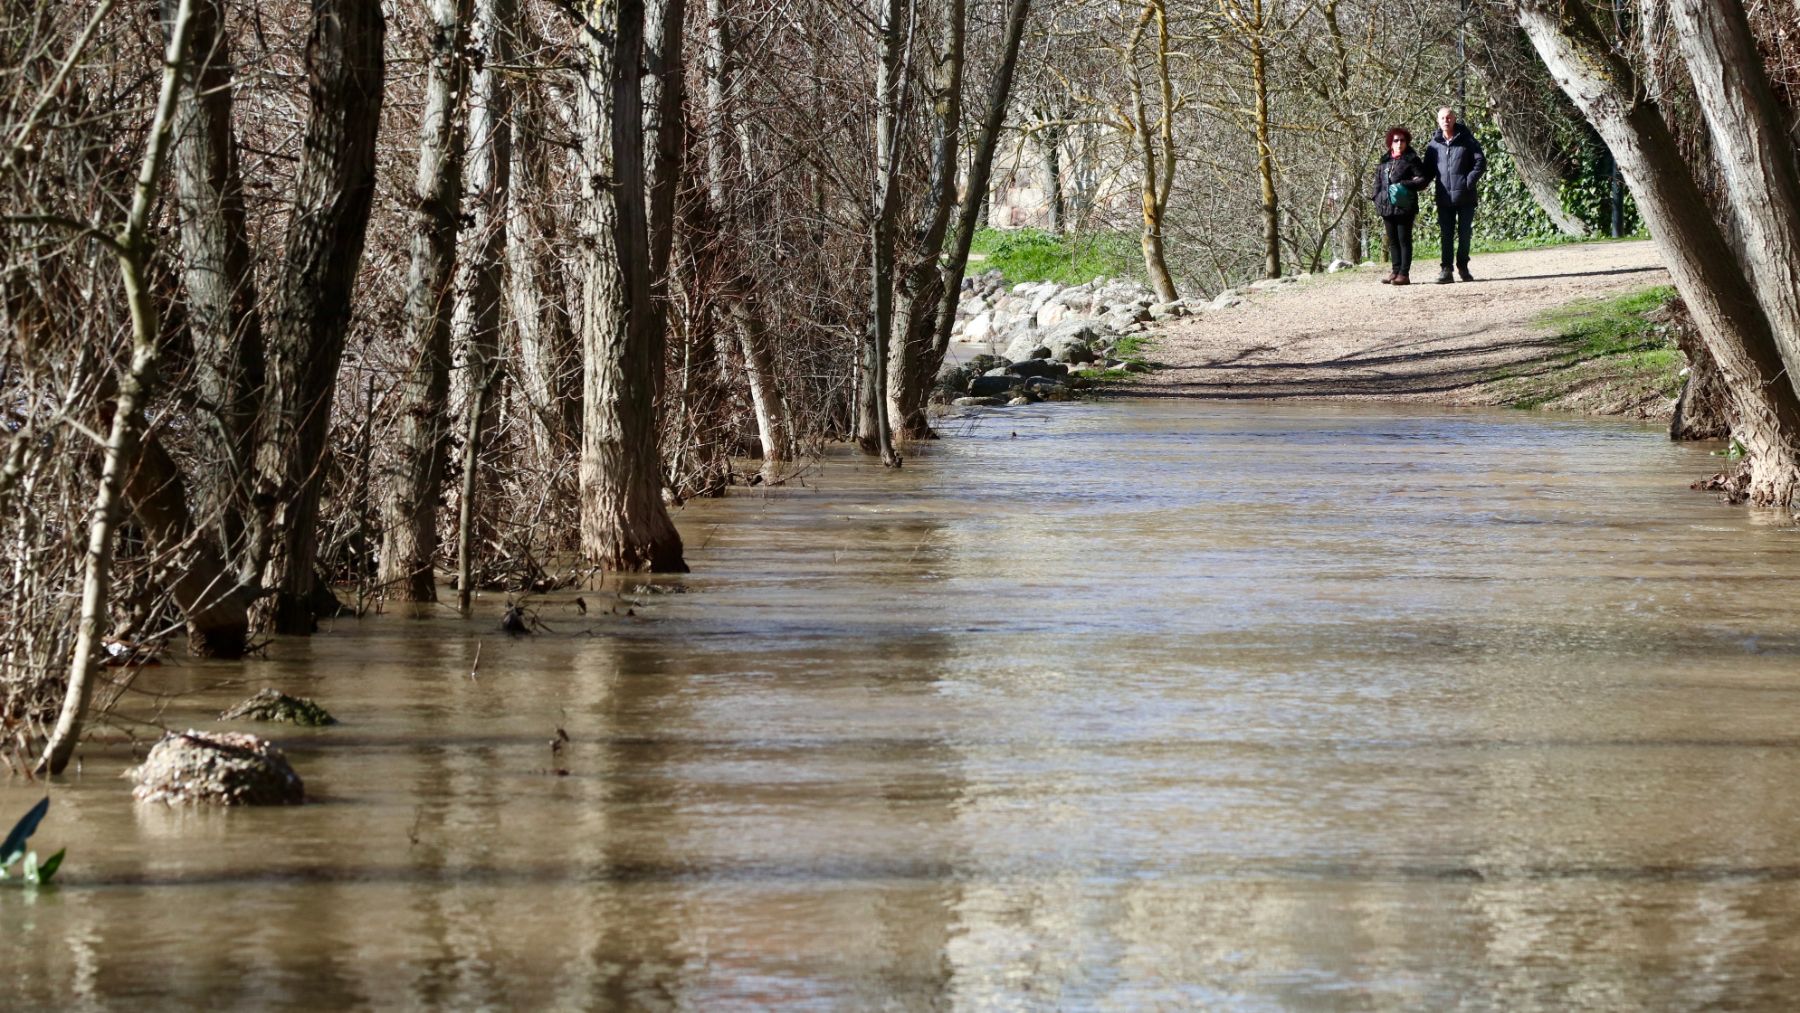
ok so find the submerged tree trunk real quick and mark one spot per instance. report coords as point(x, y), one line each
point(414, 476)
point(476, 326)
point(911, 366)
point(974, 199)
point(624, 524)
point(217, 275)
point(738, 291)
point(873, 434)
point(1737, 332)
point(324, 243)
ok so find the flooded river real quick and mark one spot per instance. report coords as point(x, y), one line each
point(1095, 706)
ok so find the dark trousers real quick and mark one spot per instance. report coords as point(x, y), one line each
point(1400, 241)
point(1454, 223)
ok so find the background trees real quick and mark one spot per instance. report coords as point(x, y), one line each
point(513, 276)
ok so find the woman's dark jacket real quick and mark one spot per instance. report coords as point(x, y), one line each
point(1407, 169)
point(1457, 164)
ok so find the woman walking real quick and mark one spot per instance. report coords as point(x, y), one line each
point(1398, 180)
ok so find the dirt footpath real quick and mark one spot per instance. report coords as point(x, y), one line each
point(1348, 336)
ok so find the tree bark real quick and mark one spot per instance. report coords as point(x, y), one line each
point(981, 165)
point(1737, 332)
point(1051, 139)
point(549, 352)
point(1155, 174)
point(911, 366)
point(214, 605)
point(415, 475)
point(217, 273)
point(1753, 147)
point(873, 433)
point(1265, 150)
point(324, 243)
point(624, 524)
point(476, 325)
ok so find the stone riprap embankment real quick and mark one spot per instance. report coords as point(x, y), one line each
point(1028, 340)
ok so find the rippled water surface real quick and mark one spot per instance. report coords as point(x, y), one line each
point(1108, 706)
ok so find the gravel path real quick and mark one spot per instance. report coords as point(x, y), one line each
point(1348, 336)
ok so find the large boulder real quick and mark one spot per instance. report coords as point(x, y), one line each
point(988, 386)
point(1026, 345)
point(216, 768)
point(1029, 368)
point(979, 329)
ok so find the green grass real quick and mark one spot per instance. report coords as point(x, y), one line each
point(1606, 343)
point(1034, 255)
point(1617, 326)
point(1131, 348)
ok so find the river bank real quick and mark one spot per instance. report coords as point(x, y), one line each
point(1494, 341)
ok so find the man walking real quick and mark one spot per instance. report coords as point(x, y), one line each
point(1454, 158)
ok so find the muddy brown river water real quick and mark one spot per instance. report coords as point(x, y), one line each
point(1101, 706)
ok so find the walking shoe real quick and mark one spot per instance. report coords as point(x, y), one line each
point(1463, 273)
point(1388, 278)
point(1444, 277)
point(1401, 279)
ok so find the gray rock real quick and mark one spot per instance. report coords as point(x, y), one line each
point(1339, 265)
point(1227, 299)
point(216, 768)
point(1027, 345)
point(978, 402)
point(986, 386)
point(1018, 401)
point(1166, 310)
point(1031, 368)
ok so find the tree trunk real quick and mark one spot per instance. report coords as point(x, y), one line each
point(774, 430)
point(1713, 284)
point(324, 245)
point(1753, 147)
point(476, 326)
point(549, 358)
point(214, 605)
point(624, 524)
point(119, 456)
point(217, 273)
point(1153, 191)
point(873, 434)
point(411, 487)
point(911, 365)
point(1265, 151)
point(981, 165)
point(1051, 139)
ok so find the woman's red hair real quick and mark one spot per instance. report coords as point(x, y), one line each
point(1400, 132)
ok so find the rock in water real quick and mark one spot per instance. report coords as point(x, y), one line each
point(216, 768)
point(274, 705)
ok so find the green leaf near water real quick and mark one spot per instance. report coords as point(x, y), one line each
point(35, 873)
point(14, 846)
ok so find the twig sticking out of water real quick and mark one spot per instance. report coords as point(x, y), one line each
point(477, 662)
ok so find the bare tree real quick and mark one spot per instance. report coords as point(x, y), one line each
point(410, 489)
point(131, 246)
point(325, 233)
